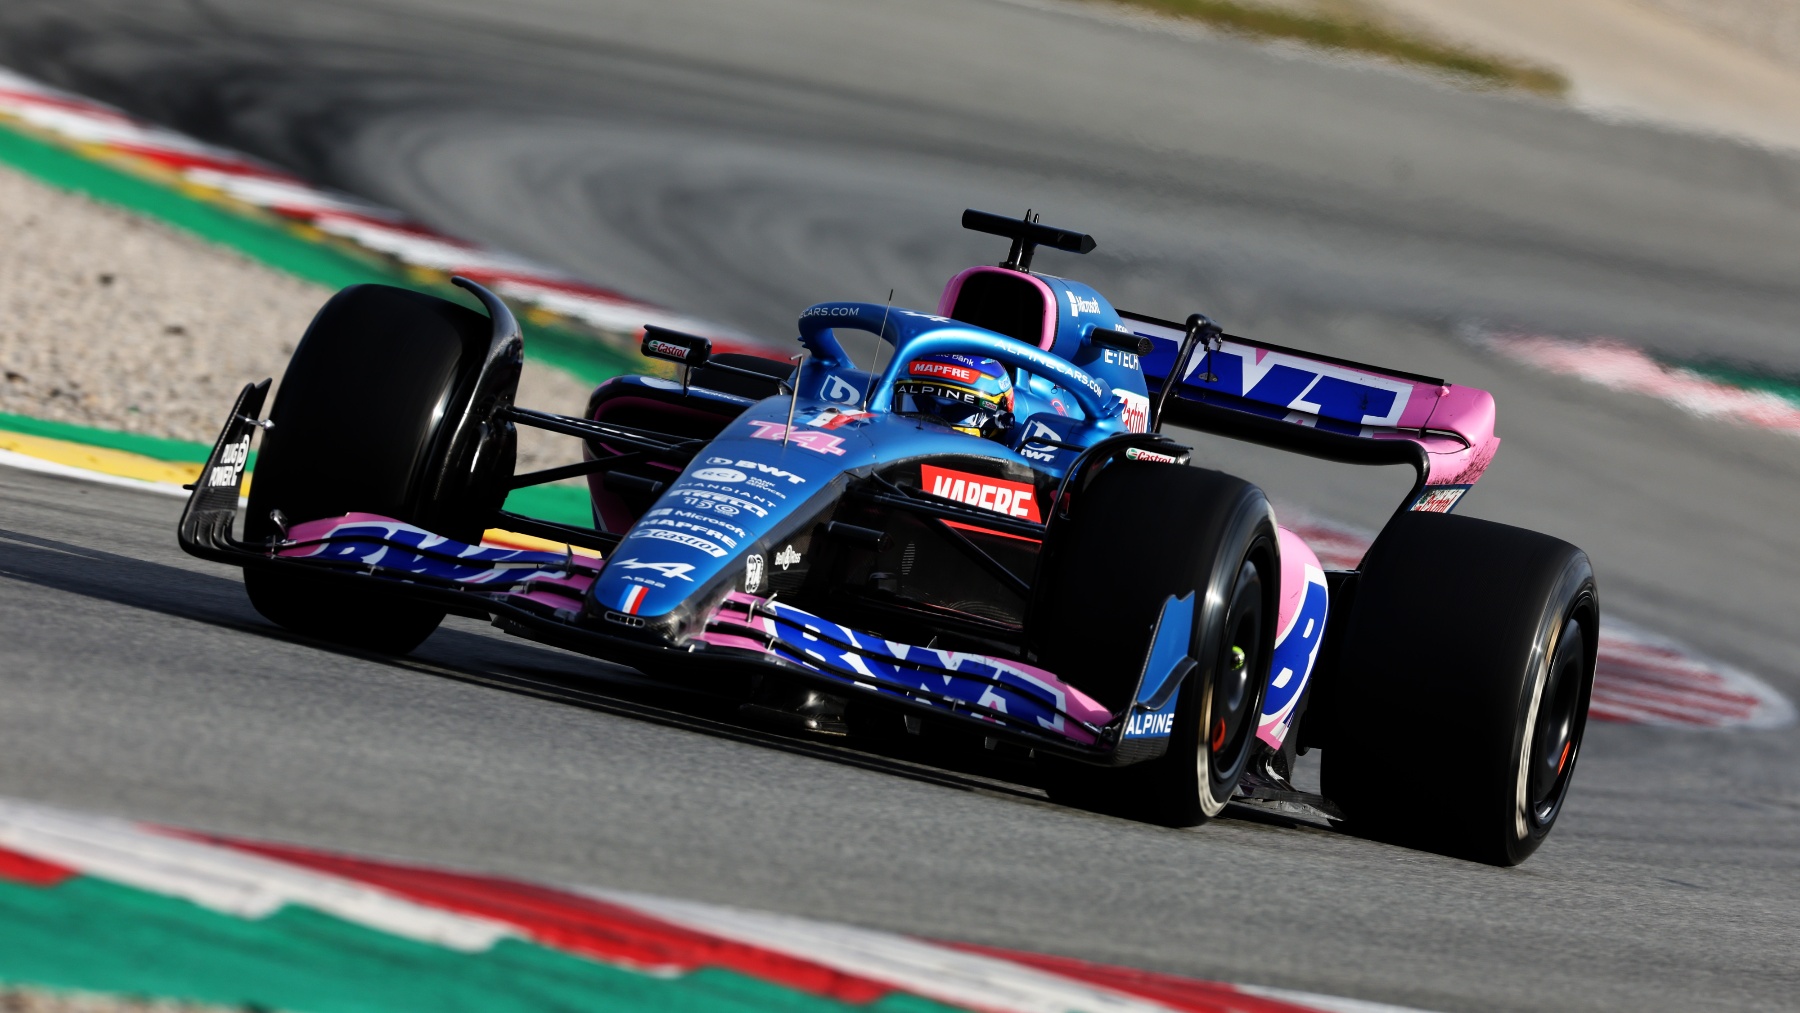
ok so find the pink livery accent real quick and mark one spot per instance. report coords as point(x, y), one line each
point(1469, 413)
point(548, 580)
point(1296, 556)
point(1300, 625)
point(954, 289)
point(745, 621)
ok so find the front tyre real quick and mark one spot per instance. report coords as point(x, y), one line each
point(1134, 536)
point(370, 418)
point(1462, 693)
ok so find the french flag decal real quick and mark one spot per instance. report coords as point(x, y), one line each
point(634, 596)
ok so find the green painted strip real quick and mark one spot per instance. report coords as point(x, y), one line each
point(95, 936)
point(1745, 377)
point(178, 451)
point(566, 504)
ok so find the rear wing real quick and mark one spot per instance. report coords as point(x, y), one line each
point(1324, 407)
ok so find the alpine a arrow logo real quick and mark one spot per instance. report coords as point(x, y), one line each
point(675, 571)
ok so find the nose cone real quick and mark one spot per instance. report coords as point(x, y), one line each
point(750, 487)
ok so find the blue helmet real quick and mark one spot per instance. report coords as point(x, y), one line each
point(968, 393)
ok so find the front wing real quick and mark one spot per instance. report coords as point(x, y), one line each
point(539, 595)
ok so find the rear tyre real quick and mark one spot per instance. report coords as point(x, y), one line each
point(1462, 694)
point(1102, 582)
point(367, 420)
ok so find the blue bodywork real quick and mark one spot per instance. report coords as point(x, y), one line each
point(771, 480)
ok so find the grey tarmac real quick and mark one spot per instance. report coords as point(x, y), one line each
point(742, 160)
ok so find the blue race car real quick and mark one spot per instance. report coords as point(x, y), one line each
point(988, 539)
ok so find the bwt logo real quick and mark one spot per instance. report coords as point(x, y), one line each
point(1078, 305)
point(1304, 385)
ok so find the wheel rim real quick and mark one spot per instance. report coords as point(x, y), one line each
point(1556, 738)
point(1230, 717)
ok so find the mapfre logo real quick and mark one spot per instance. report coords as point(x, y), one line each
point(1014, 499)
point(946, 370)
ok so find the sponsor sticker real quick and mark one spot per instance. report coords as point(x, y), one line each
point(757, 466)
point(1079, 305)
point(231, 464)
point(1140, 454)
point(1120, 357)
point(1137, 410)
point(1304, 385)
point(1002, 496)
point(681, 538)
point(727, 475)
point(817, 442)
point(786, 557)
point(710, 519)
point(753, 573)
point(1439, 499)
point(1149, 726)
point(669, 349)
point(702, 530)
point(840, 391)
point(945, 370)
point(675, 571)
point(721, 503)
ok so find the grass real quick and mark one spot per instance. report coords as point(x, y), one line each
point(1748, 376)
point(1344, 27)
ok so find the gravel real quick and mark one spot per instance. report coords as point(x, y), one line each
point(113, 320)
point(31, 1000)
point(1769, 26)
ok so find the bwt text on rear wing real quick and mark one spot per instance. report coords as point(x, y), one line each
point(1321, 406)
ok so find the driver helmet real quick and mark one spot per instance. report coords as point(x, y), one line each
point(968, 393)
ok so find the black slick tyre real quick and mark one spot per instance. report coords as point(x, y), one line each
point(1460, 700)
point(1135, 535)
point(366, 420)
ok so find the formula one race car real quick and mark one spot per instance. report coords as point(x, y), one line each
point(988, 539)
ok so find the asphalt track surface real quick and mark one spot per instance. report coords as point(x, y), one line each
point(740, 160)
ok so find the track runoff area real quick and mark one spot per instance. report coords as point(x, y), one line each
point(88, 903)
